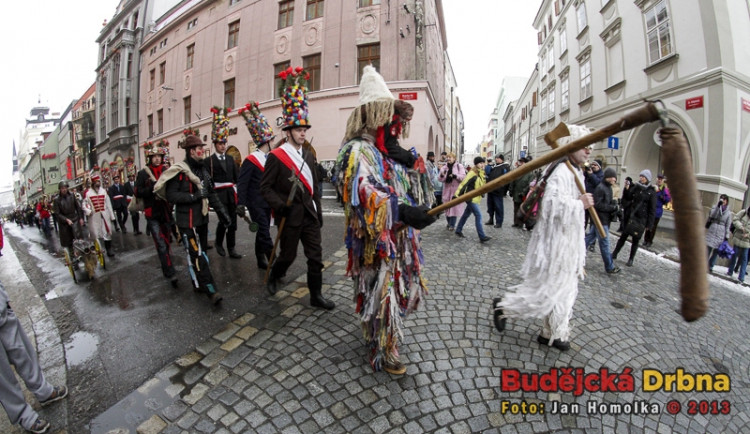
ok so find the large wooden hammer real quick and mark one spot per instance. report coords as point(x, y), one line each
point(560, 131)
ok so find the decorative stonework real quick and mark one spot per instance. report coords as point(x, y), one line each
point(187, 82)
point(229, 63)
point(282, 44)
point(368, 24)
point(311, 36)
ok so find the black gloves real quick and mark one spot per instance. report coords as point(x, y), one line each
point(284, 211)
point(241, 210)
point(415, 216)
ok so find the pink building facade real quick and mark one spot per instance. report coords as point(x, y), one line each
point(204, 53)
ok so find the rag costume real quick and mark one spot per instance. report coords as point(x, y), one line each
point(188, 186)
point(380, 192)
point(224, 176)
point(158, 212)
point(248, 183)
point(555, 257)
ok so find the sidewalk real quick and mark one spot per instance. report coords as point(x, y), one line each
point(43, 333)
point(307, 371)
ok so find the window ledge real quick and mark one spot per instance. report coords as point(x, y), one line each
point(583, 32)
point(565, 110)
point(563, 54)
point(664, 61)
point(615, 86)
point(586, 100)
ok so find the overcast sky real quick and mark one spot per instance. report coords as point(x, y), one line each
point(49, 51)
point(488, 40)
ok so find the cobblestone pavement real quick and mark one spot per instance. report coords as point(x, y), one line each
point(307, 371)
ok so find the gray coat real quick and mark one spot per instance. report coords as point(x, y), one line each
point(719, 229)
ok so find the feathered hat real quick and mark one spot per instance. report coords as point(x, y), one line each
point(191, 139)
point(293, 91)
point(256, 123)
point(220, 125)
point(95, 174)
point(377, 102)
point(159, 148)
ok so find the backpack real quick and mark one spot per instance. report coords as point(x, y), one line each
point(468, 186)
point(529, 209)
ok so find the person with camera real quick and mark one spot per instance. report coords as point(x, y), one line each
point(605, 207)
point(662, 198)
point(741, 243)
point(641, 199)
point(518, 190)
point(451, 176)
point(717, 229)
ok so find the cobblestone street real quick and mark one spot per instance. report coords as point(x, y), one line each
point(307, 370)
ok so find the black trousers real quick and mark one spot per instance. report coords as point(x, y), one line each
point(221, 230)
point(263, 242)
point(200, 274)
point(122, 217)
point(309, 233)
point(160, 234)
point(135, 219)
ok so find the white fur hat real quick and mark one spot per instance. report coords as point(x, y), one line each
point(372, 87)
point(376, 104)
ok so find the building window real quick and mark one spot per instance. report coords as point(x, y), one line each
point(160, 121)
point(233, 2)
point(363, 3)
point(151, 125)
point(658, 32)
point(543, 109)
point(234, 34)
point(550, 57)
point(286, 13)
point(277, 81)
point(135, 20)
point(581, 17)
point(127, 111)
point(564, 102)
point(129, 72)
point(229, 93)
point(585, 79)
point(151, 79)
point(113, 113)
point(163, 43)
point(314, 9)
point(190, 56)
point(192, 23)
point(187, 103)
point(162, 72)
point(563, 40)
point(367, 55)
point(551, 103)
point(312, 65)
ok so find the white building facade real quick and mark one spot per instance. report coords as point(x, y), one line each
point(601, 58)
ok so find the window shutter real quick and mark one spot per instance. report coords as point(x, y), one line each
point(549, 21)
point(539, 38)
point(557, 7)
point(533, 99)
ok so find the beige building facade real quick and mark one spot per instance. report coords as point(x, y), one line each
point(601, 58)
point(204, 53)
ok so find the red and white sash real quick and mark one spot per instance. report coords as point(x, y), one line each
point(292, 159)
point(258, 158)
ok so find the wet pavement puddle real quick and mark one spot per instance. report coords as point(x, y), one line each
point(81, 347)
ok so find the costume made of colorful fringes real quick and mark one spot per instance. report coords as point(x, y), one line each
point(384, 261)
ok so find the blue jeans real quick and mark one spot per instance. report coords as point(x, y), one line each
point(592, 235)
point(451, 222)
point(741, 253)
point(471, 208)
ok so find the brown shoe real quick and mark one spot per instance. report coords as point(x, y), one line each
point(396, 368)
point(58, 393)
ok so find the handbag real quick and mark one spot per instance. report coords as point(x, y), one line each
point(725, 250)
point(136, 205)
point(708, 222)
point(634, 227)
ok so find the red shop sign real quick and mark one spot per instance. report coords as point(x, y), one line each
point(745, 105)
point(407, 96)
point(694, 103)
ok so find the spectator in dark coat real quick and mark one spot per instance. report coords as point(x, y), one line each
point(495, 197)
point(605, 206)
point(642, 203)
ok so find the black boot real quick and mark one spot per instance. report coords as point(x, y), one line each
point(262, 260)
point(272, 286)
point(108, 248)
point(315, 284)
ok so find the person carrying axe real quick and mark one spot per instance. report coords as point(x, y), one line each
point(555, 257)
point(289, 187)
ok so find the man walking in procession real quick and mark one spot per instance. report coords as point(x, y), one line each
point(289, 187)
point(188, 186)
point(97, 207)
point(381, 195)
point(224, 176)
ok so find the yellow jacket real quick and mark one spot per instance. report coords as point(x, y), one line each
point(478, 180)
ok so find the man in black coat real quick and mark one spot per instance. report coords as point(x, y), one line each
point(116, 194)
point(304, 216)
point(188, 186)
point(224, 175)
point(249, 197)
point(640, 198)
point(69, 214)
point(605, 207)
point(135, 217)
point(495, 197)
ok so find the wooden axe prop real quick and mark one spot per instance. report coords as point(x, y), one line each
point(685, 199)
point(560, 131)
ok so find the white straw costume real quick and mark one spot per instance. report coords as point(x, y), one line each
point(555, 256)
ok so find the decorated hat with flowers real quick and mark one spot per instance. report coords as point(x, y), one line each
point(159, 148)
point(293, 91)
point(220, 125)
point(95, 174)
point(256, 123)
